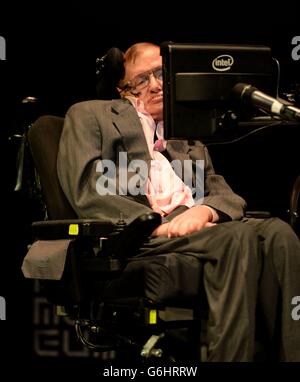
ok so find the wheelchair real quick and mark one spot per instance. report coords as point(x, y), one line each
point(91, 271)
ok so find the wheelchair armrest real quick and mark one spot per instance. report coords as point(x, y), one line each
point(124, 239)
point(130, 238)
point(84, 260)
point(63, 229)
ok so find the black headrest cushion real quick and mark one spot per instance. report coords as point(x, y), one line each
point(109, 71)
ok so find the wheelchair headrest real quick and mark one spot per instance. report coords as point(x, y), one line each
point(109, 71)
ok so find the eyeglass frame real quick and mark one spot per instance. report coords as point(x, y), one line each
point(135, 89)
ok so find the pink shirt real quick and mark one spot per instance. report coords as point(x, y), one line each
point(164, 190)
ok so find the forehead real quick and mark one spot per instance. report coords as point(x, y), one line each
point(146, 59)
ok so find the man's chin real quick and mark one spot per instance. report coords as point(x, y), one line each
point(156, 107)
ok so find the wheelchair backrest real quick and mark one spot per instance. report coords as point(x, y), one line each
point(44, 136)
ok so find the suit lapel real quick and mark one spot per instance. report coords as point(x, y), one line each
point(127, 122)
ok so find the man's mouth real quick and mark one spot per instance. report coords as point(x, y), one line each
point(157, 99)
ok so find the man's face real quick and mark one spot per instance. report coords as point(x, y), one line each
point(141, 70)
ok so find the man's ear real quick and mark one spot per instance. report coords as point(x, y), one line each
point(123, 93)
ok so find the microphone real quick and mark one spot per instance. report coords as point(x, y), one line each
point(248, 94)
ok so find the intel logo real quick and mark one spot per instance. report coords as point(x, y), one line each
point(223, 63)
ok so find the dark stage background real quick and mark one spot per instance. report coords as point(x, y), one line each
point(50, 54)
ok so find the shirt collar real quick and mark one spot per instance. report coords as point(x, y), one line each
point(140, 108)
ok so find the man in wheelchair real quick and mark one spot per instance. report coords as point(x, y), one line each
point(243, 265)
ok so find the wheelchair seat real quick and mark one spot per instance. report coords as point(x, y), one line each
point(90, 269)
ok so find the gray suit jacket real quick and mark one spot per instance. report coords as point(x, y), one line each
point(99, 130)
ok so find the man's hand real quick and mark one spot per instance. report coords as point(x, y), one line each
point(161, 230)
point(192, 220)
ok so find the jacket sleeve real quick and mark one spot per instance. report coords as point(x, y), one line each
point(80, 165)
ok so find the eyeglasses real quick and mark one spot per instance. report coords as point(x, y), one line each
point(141, 81)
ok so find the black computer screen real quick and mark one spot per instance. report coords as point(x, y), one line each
point(198, 82)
